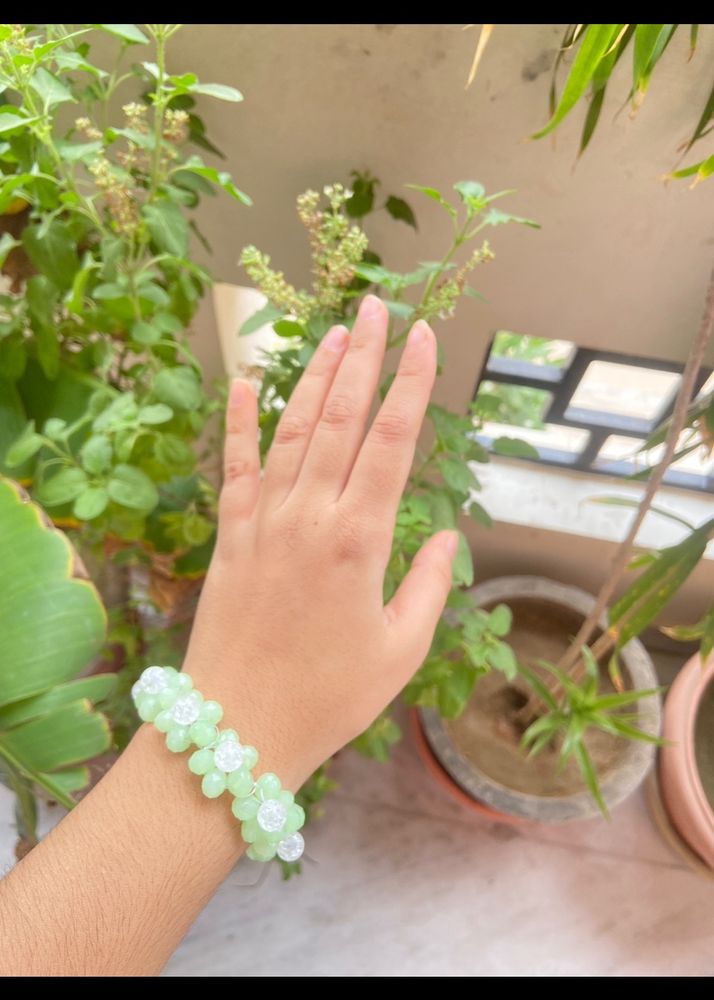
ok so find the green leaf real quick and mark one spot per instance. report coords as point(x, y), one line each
point(95, 689)
point(179, 388)
point(401, 210)
point(480, 514)
point(362, 201)
point(91, 503)
point(51, 624)
point(514, 448)
point(71, 59)
point(218, 90)
point(74, 152)
point(54, 428)
point(594, 46)
point(455, 691)
point(495, 217)
point(69, 735)
point(435, 195)
point(221, 178)
point(702, 170)
point(587, 769)
point(650, 42)
point(24, 447)
point(500, 620)
point(502, 657)
point(457, 475)
point(157, 413)
point(197, 529)
point(402, 310)
point(168, 227)
point(50, 88)
point(470, 192)
point(52, 250)
point(268, 314)
point(96, 454)
point(63, 487)
point(128, 33)
point(13, 121)
point(132, 488)
point(288, 328)
point(145, 333)
point(377, 739)
point(463, 567)
point(7, 243)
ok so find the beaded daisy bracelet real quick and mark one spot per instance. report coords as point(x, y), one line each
point(269, 816)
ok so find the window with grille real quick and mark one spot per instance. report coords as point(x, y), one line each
point(589, 410)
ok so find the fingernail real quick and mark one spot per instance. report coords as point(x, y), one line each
point(418, 333)
point(371, 306)
point(336, 339)
point(451, 543)
point(240, 390)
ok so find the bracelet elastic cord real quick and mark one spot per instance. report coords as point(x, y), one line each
point(269, 816)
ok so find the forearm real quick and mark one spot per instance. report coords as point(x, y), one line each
point(114, 888)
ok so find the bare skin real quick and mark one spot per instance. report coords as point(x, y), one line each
point(291, 636)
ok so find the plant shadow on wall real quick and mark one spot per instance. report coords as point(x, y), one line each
point(101, 398)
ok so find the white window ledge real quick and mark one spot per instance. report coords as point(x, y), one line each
point(560, 500)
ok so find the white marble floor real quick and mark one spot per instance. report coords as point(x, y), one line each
point(405, 882)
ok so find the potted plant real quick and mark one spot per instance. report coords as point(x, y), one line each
point(101, 398)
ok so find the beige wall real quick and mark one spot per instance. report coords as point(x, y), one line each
point(621, 260)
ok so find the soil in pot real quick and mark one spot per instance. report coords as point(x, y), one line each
point(704, 743)
point(488, 732)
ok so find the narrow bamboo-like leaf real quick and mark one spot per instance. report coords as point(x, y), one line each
point(610, 702)
point(705, 118)
point(573, 736)
point(595, 43)
point(587, 769)
point(540, 688)
point(650, 42)
point(483, 38)
point(601, 78)
point(693, 36)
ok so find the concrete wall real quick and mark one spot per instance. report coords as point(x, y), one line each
point(621, 261)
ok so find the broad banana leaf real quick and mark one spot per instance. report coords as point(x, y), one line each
point(52, 624)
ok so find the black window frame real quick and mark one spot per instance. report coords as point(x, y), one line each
point(562, 383)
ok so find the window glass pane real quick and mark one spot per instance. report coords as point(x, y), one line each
point(518, 405)
point(535, 350)
point(624, 389)
point(553, 437)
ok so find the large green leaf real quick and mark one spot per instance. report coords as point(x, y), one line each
point(52, 624)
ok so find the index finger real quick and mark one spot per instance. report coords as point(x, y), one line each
point(382, 466)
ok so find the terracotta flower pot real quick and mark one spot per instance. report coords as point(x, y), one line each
point(686, 763)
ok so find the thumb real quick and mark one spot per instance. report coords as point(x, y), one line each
point(415, 609)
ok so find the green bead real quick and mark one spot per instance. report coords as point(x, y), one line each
point(201, 762)
point(211, 712)
point(178, 739)
point(148, 706)
point(228, 734)
point(168, 697)
point(184, 683)
point(171, 673)
point(240, 783)
point(286, 798)
point(250, 831)
point(262, 852)
point(268, 786)
point(250, 757)
point(164, 721)
point(295, 820)
point(245, 809)
point(203, 734)
point(213, 784)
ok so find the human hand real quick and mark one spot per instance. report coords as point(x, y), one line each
point(291, 634)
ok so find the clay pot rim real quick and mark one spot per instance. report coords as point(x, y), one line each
point(696, 684)
point(616, 785)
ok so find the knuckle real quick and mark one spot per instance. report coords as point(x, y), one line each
point(292, 427)
point(238, 469)
point(392, 428)
point(339, 411)
point(350, 539)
